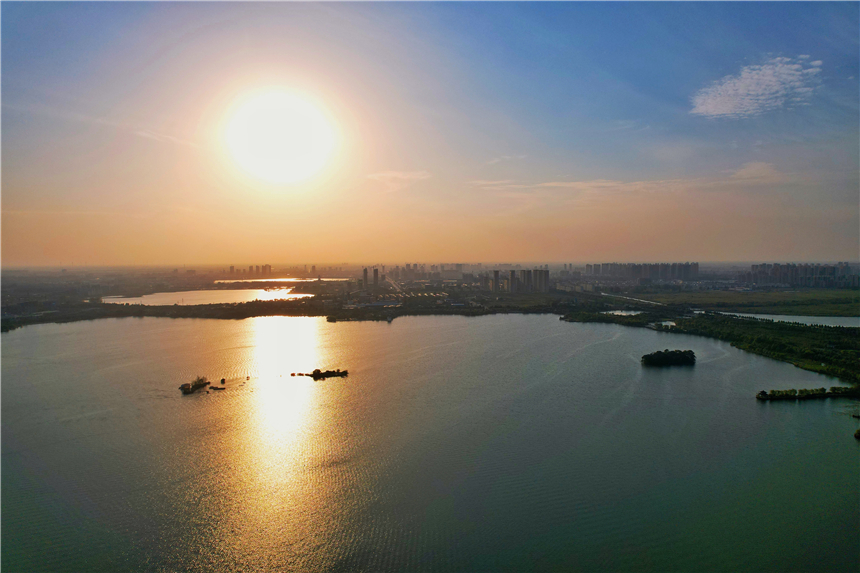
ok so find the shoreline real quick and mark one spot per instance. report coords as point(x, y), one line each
point(830, 350)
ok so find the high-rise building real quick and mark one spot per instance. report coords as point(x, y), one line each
point(495, 281)
point(512, 287)
point(375, 278)
point(365, 278)
point(232, 269)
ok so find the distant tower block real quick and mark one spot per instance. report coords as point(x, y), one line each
point(375, 278)
point(495, 281)
point(365, 279)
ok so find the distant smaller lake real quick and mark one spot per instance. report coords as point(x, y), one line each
point(821, 320)
point(192, 297)
point(275, 280)
point(623, 312)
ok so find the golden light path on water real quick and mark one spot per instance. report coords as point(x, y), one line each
point(279, 502)
point(283, 345)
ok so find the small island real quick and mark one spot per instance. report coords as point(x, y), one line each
point(322, 375)
point(670, 358)
point(195, 385)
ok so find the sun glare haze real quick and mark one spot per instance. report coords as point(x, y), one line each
point(280, 137)
point(503, 131)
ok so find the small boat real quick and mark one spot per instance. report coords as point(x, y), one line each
point(223, 380)
point(218, 388)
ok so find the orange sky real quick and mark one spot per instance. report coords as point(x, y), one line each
point(454, 142)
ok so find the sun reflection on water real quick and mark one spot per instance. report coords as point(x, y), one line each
point(283, 345)
point(277, 495)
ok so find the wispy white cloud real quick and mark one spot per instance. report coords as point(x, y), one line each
point(502, 158)
point(759, 173)
point(398, 180)
point(627, 125)
point(163, 137)
point(490, 182)
point(779, 82)
point(752, 175)
point(122, 126)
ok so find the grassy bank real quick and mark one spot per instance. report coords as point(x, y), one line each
point(806, 302)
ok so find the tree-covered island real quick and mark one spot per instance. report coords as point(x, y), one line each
point(670, 358)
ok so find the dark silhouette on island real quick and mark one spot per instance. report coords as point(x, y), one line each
point(322, 375)
point(197, 384)
point(670, 358)
point(807, 394)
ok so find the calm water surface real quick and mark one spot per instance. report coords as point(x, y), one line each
point(207, 297)
point(470, 444)
point(286, 280)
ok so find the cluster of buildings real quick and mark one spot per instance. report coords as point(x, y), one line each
point(650, 271)
point(253, 270)
point(516, 281)
point(840, 275)
point(367, 285)
point(512, 278)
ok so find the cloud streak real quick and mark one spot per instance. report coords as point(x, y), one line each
point(398, 180)
point(779, 82)
point(502, 158)
point(162, 137)
point(78, 117)
point(751, 175)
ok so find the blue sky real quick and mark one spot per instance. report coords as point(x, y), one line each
point(483, 119)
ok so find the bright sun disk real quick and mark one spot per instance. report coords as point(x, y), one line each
point(280, 137)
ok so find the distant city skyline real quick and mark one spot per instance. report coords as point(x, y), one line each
point(547, 132)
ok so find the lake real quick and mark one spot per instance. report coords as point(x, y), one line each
point(191, 297)
point(505, 442)
point(287, 280)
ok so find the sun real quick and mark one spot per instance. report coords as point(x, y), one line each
point(280, 137)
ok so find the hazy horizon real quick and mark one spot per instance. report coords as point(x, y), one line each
point(322, 266)
point(559, 132)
